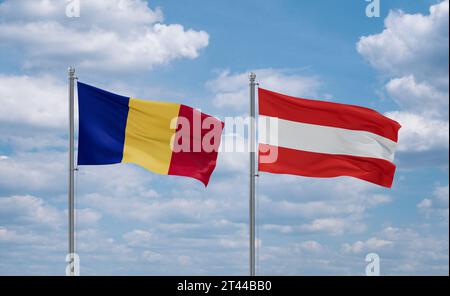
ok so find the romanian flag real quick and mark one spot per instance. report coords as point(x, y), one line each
point(165, 138)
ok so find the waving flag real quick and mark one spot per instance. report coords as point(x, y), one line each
point(324, 139)
point(165, 138)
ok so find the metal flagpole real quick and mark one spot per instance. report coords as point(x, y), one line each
point(252, 145)
point(71, 172)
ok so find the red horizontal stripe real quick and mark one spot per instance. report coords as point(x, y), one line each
point(197, 164)
point(320, 165)
point(326, 113)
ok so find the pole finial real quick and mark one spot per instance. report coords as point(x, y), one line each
point(71, 71)
point(252, 77)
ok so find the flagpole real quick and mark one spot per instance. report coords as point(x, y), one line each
point(71, 199)
point(252, 145)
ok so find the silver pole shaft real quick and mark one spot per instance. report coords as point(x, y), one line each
point(252, 78)
point(71, 169)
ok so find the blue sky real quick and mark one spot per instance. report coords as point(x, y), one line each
point(131, 221)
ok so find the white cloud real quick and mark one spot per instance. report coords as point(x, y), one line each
point(138, 237)
point(333, 226)
point(410, 43)
point(371, 245)
point(231, 89)
point(311, 209)
point(94, 243)
point(233, 243)
point(34, 212)
point(312, 246)
point(150, 210)
point(87, 216)
point(441, 195)
point(419, 133)
point(151, 256)
point(184, 260)
point(110, 35)
point(341, 197)
point(425, 204)
point(412, 95)
point(437, 204)
point(280, 228)
point(98, 11)
point(34, 172)
point(34, 101)
point(117, 181)
point(419, 251)
point(30, 210)
point(377, 199)
point(413, 53)
point(404, 250)
point(12, 236)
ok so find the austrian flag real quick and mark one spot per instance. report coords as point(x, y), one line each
point(324, 139)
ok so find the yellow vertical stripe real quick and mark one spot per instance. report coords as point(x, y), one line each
point(148, 134)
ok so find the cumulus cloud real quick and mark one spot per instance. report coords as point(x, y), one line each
point(231, 89)
point(333, 226)
point(425, 204)
point(173, 210)
point(412, 96)
point(299, 210)
point(113, 35)
point(91, 241)
point(35, 212)
point(34, 172)
point(420, 133)
point(33, 118)
point(410, 43)
point(441, 194)
point(412, 53)
point(87, 216)
point(437, 204)
point(421, 250)
point(138, 237)
point(312, 246)
point(371, 245)
point(12, 236)
point(151, 256)
point(29, 210)
point(111, 13)
point(40, 102)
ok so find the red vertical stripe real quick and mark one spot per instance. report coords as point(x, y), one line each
point(198, 162)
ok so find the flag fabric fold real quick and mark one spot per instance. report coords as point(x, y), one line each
point(324, 139)
point(165, 138)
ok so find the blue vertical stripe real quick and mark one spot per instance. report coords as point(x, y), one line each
point(102, 121)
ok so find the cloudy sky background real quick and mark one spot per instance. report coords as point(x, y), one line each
point(199, 53)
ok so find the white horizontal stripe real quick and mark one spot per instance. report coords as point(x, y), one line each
point(324, 139)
